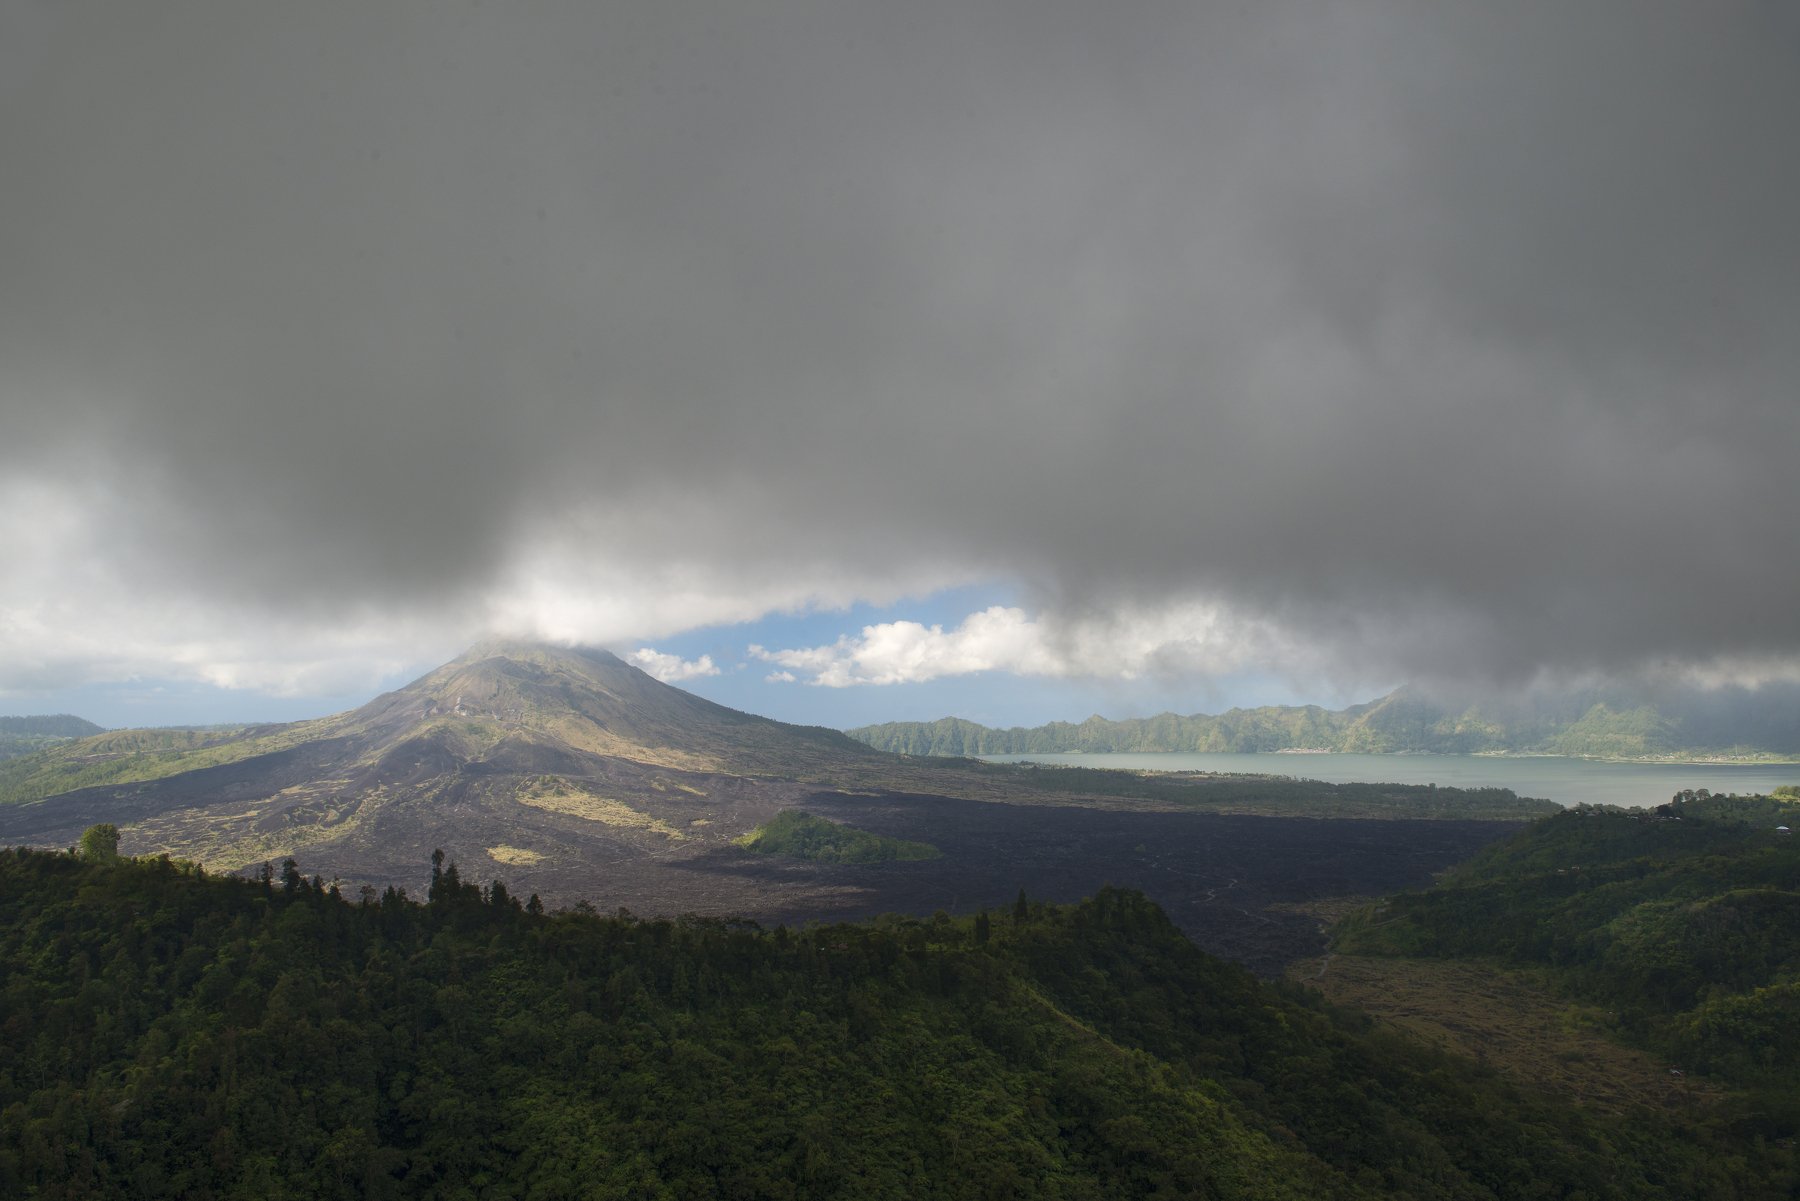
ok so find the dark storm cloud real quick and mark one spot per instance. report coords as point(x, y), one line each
point(1453, 337)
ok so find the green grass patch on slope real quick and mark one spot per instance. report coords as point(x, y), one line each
point(798, 835)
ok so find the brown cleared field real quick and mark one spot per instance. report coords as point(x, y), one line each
point(1507, 1020)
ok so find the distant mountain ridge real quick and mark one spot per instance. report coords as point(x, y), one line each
point(1609, 724)
point(58, 725)
point(22, 735)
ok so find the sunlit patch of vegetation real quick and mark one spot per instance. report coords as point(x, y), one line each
point(797, 835)
point(559, 795)
point(127, 757)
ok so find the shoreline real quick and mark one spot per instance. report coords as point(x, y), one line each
point(1672, 760)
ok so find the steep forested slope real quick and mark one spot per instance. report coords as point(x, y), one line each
point(1681, 923)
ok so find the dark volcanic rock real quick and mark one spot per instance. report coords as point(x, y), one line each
point(1218, 876)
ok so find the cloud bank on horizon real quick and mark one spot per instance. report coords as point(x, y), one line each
point(1362, 341)
point(1190, 641)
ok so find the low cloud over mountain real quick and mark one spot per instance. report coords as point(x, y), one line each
point(1397, 341)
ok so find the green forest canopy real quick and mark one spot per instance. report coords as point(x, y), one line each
point(798, 835)
point(1682, 922)
point(171, 1034)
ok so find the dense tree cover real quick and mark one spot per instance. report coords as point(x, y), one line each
point(1278, 796)
point(798, 835)
point(56, 725)
point(167, 1034)
point(53, 724)
point(1682, 922)
point(99, 844)
point(1591, 723)
point(1608, 732)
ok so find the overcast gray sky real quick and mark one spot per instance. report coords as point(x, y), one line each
point(1341, 341)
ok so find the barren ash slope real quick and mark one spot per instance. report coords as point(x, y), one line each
point(546, 760)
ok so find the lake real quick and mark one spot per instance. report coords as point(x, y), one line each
point(1566, 781)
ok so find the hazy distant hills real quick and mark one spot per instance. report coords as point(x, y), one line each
point(22, 735)
point(1678, 724)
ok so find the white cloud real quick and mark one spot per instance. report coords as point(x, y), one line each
point(780, 677)
point(1192, 639)
point(75, 609)
point(672, 669)
point(1135, 357)
point(646, 571)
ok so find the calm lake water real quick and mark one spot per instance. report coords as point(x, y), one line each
point(1566, 781)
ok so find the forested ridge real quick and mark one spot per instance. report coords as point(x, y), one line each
point(169, 1034)
point(22, 735)
point(1616, 724)
point(1678, 926)
point(56, 725)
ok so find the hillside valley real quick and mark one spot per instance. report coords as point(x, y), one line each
point(1624, 958)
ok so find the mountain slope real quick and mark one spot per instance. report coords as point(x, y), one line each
point(573, 775)
point(1674, 929)
point(589, 700)
point(546, 759)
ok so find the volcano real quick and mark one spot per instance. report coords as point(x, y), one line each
point(573, 775)
point(551, 766)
